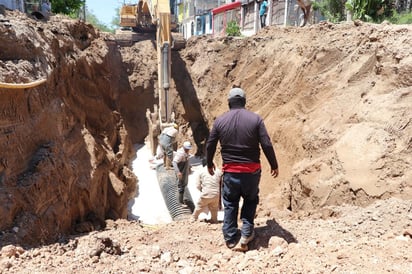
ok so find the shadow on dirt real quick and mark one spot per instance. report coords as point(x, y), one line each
point(193, 109)
point(265, 233)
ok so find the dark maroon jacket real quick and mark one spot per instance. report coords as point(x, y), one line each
point(240, 132)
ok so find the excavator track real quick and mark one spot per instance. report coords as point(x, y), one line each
point(126, 38)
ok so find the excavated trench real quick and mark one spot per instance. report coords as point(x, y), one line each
point(185, 105)
point(195, 129)
point(139, 62)
point(67, 145)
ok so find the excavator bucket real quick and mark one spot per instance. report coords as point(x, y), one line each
point(178, 41)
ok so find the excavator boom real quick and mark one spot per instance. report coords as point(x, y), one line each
point(158, 13)
point(163, 39)
point(155, 16)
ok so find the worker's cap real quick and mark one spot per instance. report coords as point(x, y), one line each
point(236, 92)
point(172, 132)
point(187, 145)
point(175, 126)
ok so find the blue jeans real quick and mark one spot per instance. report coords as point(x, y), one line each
point(263, 20)
point(167, 144)
point(236, 185)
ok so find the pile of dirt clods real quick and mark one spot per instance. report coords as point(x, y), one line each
point(336, 100)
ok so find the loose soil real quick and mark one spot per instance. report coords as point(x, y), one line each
point(336, 100)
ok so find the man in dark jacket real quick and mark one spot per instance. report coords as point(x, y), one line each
point(240, 132)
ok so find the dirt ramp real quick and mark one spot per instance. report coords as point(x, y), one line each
point(336, 101)
point(65, 161)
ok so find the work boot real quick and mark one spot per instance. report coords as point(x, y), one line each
point(245, 240)
point(243, 243)
point(231, 244)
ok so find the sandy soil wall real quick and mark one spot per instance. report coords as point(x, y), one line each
point(65, 146)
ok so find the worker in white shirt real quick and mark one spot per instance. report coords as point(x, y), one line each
point(209, 187)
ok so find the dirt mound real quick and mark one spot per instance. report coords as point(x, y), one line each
point(337, 239)
point(336, 101)
point(66, 150)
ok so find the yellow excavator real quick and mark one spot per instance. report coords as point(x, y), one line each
point(155, 16)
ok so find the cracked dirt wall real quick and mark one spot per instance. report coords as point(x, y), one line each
point(65, 145)
point(336, 100)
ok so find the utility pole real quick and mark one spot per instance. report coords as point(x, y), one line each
point(84, 10)
point(257, 19)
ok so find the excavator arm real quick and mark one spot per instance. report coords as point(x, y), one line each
point(160, 15)
point(164, 45)
point(155, 16)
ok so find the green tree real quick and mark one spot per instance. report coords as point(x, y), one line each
point(74, 8)
point(116, 19)
point(66, 6)
point(233, 29)
point(332, 10)
point(366, 10)
point(401, 18)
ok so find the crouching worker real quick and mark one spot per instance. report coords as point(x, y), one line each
point(166, 141)
point(182, 168)
point(209, 186)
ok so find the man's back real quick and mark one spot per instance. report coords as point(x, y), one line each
point(238, 125)
point(170, 131)
point(180, 156)
point(263, 7)
point(240, 131)
point(209, 184)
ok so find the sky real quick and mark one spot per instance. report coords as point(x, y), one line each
point(104, 10)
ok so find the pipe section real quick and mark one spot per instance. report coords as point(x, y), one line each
point(168, 186)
